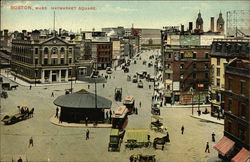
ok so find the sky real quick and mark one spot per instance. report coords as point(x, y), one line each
point(143, 14)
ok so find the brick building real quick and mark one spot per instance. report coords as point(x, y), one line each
point(186, 70)
point(237, 117)
point(224, 50)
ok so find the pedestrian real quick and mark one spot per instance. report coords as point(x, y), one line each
point(88, 86)
point(182, 129)
point(103, 85)
point(86, 121)
point(57, 110)
point(218, 117)
point(30, 87)
point(110, 113)
point(87, 134)
point(207, 148)
point(20, 159)
point(136, 111)
point(161, 104)
point(31, 142)
point(107, 114)
point(149, 86)
point(140, 104)
point(199, 112)
point(15, 78)
point(213, 137)
point(52, 94)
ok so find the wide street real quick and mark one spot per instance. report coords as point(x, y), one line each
point(57, 143)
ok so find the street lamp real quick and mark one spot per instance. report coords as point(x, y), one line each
point(35, 72)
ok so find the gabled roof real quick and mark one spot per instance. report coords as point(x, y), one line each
point(54, 38)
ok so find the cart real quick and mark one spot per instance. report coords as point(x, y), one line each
point(115, 139)
point(142, 158)
point(135, 138)
point(14, 118)
point(157, 124)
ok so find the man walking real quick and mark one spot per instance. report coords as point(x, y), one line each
point(57, 110)
point(140, 104)
point(87, 134)
point(213, 137)
point(30, 87)
point(52, 94)
point(103, 85)
point(31, 142)
point(207, 148)
point(182, 129)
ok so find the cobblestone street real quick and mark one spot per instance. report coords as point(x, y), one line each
point(58, 143)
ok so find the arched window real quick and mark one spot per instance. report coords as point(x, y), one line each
point(62, 50)
point(54, 50)
point(46, 50)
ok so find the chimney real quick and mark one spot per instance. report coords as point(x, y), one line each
point(212, 24)
point(190, 26)
point(24, 32)
point(60, 31)
point(5, 31)
point(182, 28)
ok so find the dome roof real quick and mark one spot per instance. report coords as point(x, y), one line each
point(199, 20)
point(220, 20)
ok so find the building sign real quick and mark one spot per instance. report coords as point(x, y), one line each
point(189, 40)
point(188, 54)
point(176, 86)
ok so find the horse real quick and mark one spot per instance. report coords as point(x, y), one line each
point(30, 113)
point(160, 141)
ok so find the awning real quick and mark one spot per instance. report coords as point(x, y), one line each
point(224, 146)
point(242, 156)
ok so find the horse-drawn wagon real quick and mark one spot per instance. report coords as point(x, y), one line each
point(157, 124)
point(22, 115)
point(137, 138)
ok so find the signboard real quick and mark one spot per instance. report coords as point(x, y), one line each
point(187, 40)
point(176, 86)
point(188, 54)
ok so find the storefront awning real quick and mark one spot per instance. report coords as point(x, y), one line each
point(242, 156)
point(224, 146)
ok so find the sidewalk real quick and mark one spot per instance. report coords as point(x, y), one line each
point(26, 84)
point(55, 121)
point(187, 106)
point(208, 118)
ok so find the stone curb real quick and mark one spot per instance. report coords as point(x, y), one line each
point(206, 120)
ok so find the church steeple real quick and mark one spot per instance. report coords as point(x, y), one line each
point(199, 22)
point(220, 24)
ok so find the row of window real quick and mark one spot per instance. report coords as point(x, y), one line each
point(22, 59)
point(193, 55)
point(243, 87)
point(21, 50)
point(54, 50)
point(55, 61)
point(232, 47)
point(241, 132)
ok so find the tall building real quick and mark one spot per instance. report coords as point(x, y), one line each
point(186, 74)
point(224, 50)
point(236, 142)
point(43, 61)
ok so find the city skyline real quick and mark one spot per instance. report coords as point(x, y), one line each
point(143, 14)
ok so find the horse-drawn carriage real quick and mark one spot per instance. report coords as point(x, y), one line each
point(142, 158)
point(118, 94)
point(155, 108)
point(157, 124)
point(129, 102)
point(22, 115)
point(135, 138)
